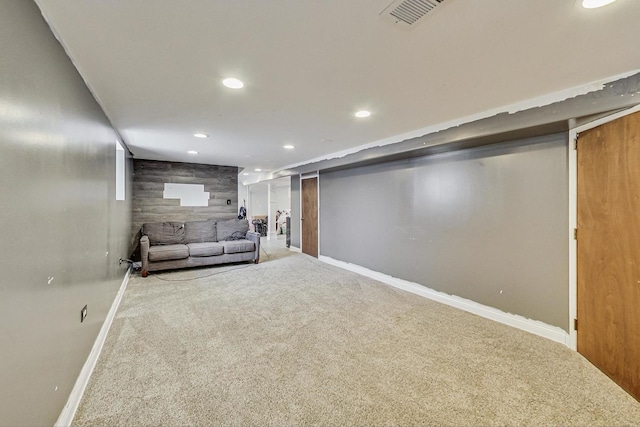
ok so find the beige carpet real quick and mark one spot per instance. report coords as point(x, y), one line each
point(292, 342)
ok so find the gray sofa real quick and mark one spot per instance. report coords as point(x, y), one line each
point(171, 245)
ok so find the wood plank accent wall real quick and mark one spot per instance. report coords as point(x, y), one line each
point(148, 185)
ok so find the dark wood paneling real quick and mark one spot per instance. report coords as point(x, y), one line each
point(148, 185)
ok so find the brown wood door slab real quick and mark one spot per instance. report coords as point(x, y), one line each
point(608, 294)
point(310, 216)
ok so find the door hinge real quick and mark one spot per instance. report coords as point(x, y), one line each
point(575, 143)
point(575, 234)
point(575, 324)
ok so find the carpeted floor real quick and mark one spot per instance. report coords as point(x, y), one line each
point(293, 342)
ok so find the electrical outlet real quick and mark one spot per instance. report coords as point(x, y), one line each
point(83, 313)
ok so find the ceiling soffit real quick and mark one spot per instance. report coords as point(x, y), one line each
point(553, 118)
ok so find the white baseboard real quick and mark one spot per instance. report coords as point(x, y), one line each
point(69, 411)
point(295, 249)
point(536, 327)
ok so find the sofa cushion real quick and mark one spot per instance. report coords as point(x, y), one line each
point(232, 229)
point(200, 231)
point(164, 233)
point(168, 252)
point(205, 249)
point(237, 246)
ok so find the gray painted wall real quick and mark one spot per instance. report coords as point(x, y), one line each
point(295, 211)
point(149, 205)
point(487, 224)
point(62, 230)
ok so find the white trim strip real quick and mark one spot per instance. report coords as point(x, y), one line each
point(69, 411)
point(310, 175)
point(573, 246)
point(300, 212)
point(295, 249)
point(607, 119)
point(536, 327)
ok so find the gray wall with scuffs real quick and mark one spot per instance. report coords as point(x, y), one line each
point(149, 204)
point(487, 224)
point(295, 211)
point(63, 232)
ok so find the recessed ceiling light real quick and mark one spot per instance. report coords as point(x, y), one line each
point(192, 152)
point(258, 170)
point(593, 4)
point(363, 113)
point(201, 135)
point(288, 147)
point(232, 83)
point(245, 174)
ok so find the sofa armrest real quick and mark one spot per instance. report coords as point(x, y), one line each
point(144, 255)
point(255, 238)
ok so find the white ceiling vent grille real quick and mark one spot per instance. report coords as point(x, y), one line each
point(408, 12)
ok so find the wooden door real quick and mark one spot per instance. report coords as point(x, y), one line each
point(608, 299)
point(310, 216)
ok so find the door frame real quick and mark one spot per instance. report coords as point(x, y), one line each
point(315, 174)
point(573, 216)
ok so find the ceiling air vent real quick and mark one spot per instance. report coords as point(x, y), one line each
point(408, 12)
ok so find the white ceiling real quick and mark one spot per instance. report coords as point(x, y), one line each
point(156, 68)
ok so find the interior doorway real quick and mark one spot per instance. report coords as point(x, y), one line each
point(269, 204)
point(309, 216)
point(608, 249)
